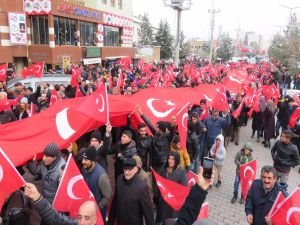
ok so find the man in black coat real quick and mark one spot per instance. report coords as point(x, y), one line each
point(285, 155)
point(262, 195)
point(131, 202)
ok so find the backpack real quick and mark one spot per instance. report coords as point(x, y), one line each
point(16, 215)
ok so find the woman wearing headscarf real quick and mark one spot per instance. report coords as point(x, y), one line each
point(174, 172)
point(258, 119)
point(269, 117)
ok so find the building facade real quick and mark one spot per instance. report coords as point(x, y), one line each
point(62, 31)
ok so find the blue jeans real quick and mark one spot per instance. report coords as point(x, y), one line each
point(236, 185)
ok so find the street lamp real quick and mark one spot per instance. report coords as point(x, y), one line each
point(178, 5)
point(290, 8)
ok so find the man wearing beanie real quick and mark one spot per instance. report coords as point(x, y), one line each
point(96, 178)
point(49, 170)
point(102, 145)
point(126, 148)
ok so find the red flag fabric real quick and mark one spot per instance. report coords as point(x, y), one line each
point(203, 211)
point(35, 70)
point(192, 178)
point(182, 118)
point(220, 101)
point(278, 201)
point(32, 110)
point(54, 97)
point(75, 76)
point(247, 176)
point(3, 72)
point(96, 105)
point(125, 62)
point(173, 193)
point(15, 102)
point(204, 113)
point(73, 191)
point(238, 110)
point(293, 119)
point(120, 83)
point(289, 210)
point(10, 179)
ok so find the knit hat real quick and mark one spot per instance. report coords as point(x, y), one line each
point(97, 135)
point(128, 133)
point(203, 101)
point(138, 160)
point(52, 150)
point(195, 115)
point(248, 146)
point(24, 100)
point(129, 163)
point(89, 153)
point(162, 126)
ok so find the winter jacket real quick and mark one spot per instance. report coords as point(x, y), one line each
point(99, 184)
point(184, 157)
point(191, 207)
point(103, 150)
point(50, 215)
point(131, 203)
point(259, 203)
point(238, 122)
point(214, 127)
point(50, 176)
point(125, 151)
point(240, 159)
point(285, 156)
point(220, 154)
point(195, 130)
point(143, 145)
point(161, 144)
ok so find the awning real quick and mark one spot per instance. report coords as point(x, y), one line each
point(89, 61)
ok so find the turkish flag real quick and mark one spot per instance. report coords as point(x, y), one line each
point(203, 211)
point(3, 72)
point(15, 102)
point(75, 75)
point(10, 179)
point(120, 83)
point(278, 201)
point(182, 118)
point(32, 110)
point(96, 105)
point(205, 113)
point(293, 118)
point(235, 80)
point(35, 70)
point(236, 113)
point(100, 83)
point(73, 191)
point(125, 62)
point(220, 101)
point(288, 211)
point(173, 193)
point(247, 176)
point(54, 97)
point(192, 178)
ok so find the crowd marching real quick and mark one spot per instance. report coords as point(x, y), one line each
point(163, 122)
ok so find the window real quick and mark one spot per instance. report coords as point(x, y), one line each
point(65, 31)
point(39, 30)
point(111, 36)
point(88, 33)
point(112, 2)
point(119, 4)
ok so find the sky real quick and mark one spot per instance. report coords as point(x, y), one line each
point(259, 16)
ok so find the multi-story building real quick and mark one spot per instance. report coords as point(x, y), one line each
point(62, 31)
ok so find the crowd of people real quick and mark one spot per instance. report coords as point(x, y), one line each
point(131, 196)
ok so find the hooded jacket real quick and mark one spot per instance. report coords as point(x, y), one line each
point(240, 159)
point(220, 153)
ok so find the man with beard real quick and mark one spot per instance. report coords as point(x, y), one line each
point(262, 195)
point(126, 148)
point(143, 142)
point(96, 178)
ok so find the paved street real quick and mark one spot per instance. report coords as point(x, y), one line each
point(220, 208)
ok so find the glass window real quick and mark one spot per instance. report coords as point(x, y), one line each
point(111, 36)
point(119, 4)
point(88, 33)
point(65, 31)
point(39, 30)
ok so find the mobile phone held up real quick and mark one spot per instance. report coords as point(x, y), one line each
point(208, 164)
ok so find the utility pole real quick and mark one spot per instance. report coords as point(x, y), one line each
point(237, 39)
point(291, 10)
point(179, 6)
point(213, 12)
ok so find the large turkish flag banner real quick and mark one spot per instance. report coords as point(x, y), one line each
point(247, 176)
point(73, 191)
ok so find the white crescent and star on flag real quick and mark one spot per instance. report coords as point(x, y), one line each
point(71, 183)
point(157, 113)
